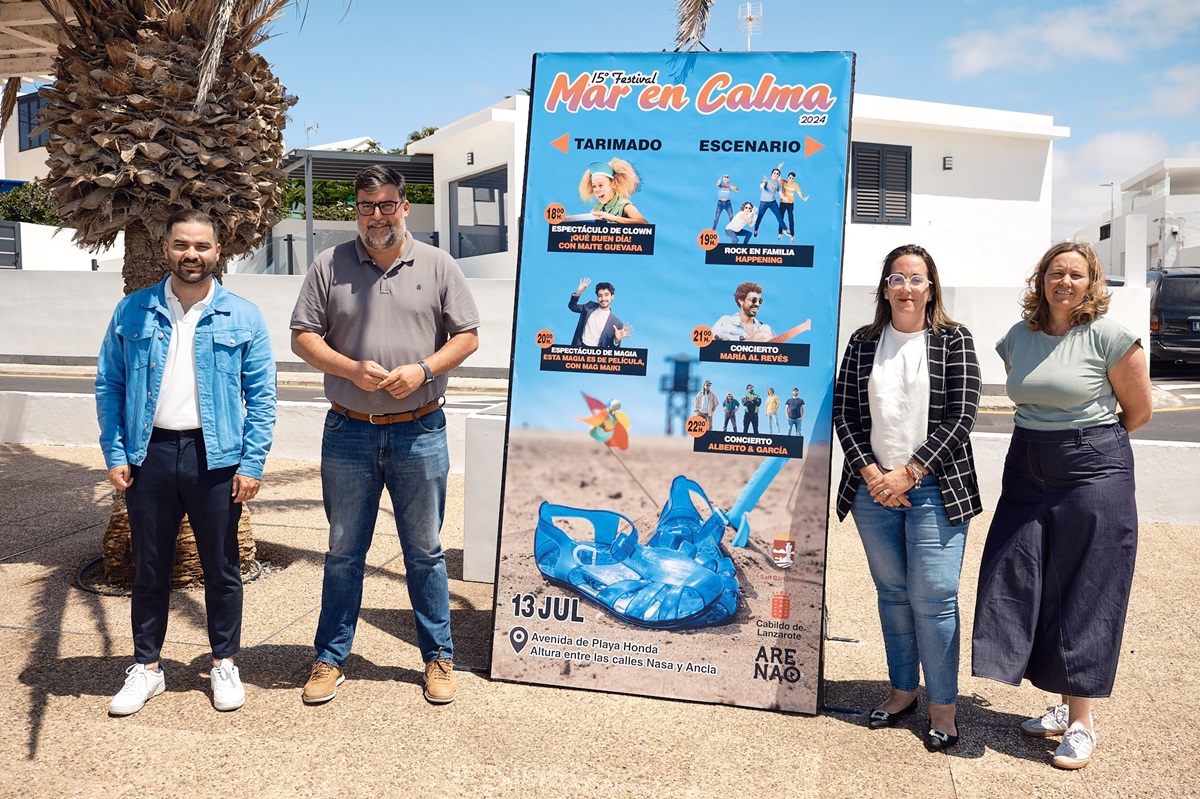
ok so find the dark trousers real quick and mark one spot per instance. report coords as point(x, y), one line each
point(1057, 567)
point(174, 480)
point(787, 217)
point(750, 420)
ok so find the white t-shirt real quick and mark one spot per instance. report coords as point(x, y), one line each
point(178, 405)
point(595, 326)
point(898, 394)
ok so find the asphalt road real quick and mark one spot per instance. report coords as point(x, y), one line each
point(293, 392)
point(1175, 422)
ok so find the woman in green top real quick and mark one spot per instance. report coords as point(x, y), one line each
point(1058, 563)
point(608, 186)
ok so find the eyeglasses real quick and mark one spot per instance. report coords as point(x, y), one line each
point(387, 208)
point(898, 281)
point(755, 300)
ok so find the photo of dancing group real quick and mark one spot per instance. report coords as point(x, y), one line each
point(777, 195)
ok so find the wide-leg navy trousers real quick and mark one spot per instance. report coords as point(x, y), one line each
point(1058, 563)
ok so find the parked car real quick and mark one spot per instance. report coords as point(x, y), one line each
point(1174, 315)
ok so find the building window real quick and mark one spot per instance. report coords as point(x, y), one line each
point(477, 223)
point(1105, 231)
point(881, 185)
point(28, 107)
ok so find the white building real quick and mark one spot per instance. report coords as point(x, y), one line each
point(970, 184)
point(1156, 223)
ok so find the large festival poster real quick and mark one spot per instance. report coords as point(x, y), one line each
point(667, 465)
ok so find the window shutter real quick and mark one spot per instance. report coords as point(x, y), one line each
point(896, 184)
point(881, 184)
point(867, 171)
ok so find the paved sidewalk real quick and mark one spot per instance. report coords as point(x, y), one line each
point(64, 651)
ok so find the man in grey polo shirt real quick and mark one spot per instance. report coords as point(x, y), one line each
point(385, 317)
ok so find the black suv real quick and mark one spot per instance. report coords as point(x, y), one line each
point(1174, 315)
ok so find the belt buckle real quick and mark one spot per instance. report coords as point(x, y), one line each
point(371, 418)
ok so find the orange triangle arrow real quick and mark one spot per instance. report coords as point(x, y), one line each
point(562, 142)
point(810, 146)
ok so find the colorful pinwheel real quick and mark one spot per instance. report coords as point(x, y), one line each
point(609, 424)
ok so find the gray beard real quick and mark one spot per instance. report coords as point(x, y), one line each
point(377, 238)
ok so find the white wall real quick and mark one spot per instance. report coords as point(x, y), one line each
point(27, 165)
point(47, 248)
point(494, 137)
point(33, 305)
point(986, 222)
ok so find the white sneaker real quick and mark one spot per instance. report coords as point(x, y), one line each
point(227, 689)
point(140, 686)
point(1053, 722)
point(1076, 748)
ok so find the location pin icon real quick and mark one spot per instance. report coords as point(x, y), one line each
point(517, 638)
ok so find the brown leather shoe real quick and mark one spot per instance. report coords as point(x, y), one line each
point(440, 685)
point(322, 683)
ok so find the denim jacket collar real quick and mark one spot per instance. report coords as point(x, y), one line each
point(157, 300)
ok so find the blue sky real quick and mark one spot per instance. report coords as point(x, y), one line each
point(1123, 75)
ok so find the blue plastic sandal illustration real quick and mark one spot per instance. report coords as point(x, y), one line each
point(653, 587)
point(680, 578)
point(681, 529)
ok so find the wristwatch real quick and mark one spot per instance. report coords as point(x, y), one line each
point(428, 372)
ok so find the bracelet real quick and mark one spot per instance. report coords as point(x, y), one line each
point(914, 473)
point(428, 372)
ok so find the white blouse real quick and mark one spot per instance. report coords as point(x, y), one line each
point(898, 393)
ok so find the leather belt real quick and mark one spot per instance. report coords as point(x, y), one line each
point(389, 418)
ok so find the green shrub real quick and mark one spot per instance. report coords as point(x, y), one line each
point(30, 202)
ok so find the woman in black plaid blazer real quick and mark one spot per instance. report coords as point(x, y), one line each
point(911, 487)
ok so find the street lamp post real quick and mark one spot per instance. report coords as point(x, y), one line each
point(1112, 230)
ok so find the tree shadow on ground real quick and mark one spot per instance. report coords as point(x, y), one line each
point(53, 514)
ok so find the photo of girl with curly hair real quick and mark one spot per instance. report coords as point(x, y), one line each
point(608, 186)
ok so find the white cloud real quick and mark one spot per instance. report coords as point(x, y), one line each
point(1079, 199)
point(1116, 30)
point(1179, 94)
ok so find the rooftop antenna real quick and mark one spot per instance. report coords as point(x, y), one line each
point(750, 20)
point(309, 129)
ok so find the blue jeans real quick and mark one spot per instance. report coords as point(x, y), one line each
point(787, 216)
point(727, 207)
point(357, 460)
point(773, 207)
point(915, 556)
point(773, 422)
point(794, 426)
point(735, 236)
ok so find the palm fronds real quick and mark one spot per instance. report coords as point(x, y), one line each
point(134, 136)
point(693, 22)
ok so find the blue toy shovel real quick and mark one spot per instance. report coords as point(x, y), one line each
point(751, 494)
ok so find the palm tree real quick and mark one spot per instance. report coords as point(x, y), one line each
point(159, 105)
point(693, 23)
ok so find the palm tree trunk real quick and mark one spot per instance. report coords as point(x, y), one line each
point(145, 266)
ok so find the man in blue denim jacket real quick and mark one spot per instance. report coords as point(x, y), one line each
point(185, 395)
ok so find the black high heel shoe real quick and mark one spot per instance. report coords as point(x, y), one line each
point(938, 741)
point(881, 718)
